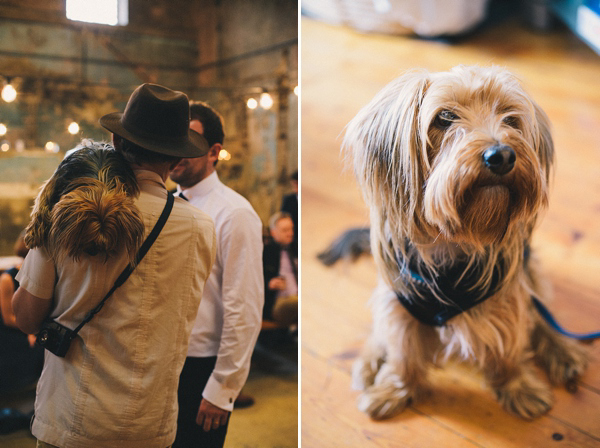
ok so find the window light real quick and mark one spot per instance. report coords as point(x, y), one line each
point(108, 12)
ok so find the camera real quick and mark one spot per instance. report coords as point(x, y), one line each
point(55, 338)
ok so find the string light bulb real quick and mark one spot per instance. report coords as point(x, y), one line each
point(3, 129)
point(224, 155)
point(9, 93)
point(5, 146)
point(266, 102)
point(296, 90)
point(252, 103)
point(73, 128)
point(52, 147)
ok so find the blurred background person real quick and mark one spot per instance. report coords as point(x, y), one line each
point(21, 361)
point(280, 268)
point(290, 206)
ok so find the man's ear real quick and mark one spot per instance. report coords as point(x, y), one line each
point(213, 153)
point(116, 141)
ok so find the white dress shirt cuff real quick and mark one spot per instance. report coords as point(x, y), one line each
point(219, 395)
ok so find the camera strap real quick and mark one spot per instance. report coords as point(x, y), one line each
point(162, 219)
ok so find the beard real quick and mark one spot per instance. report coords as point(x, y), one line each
point(189, 172)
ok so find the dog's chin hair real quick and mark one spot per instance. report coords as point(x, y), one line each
point(486, 218)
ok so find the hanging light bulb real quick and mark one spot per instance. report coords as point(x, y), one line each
point(224, 155)
point(3, 129)
point(5, 146)
point(266, 102)
point(73, 128)
point(9, 94)
point(252, 103)
point(52, 147)
point(296, 90)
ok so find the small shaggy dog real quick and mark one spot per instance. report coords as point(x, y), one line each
point(87, 207)
point(455, 168)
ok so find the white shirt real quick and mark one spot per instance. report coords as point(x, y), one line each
point(117, 385)
point(230, 314)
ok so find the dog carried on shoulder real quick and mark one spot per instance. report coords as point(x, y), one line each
point(87, 206)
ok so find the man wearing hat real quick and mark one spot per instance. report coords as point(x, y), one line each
point(117, 384)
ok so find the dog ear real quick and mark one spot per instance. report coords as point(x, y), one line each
point(543, 142)
point(36, 232)
point(389, 154)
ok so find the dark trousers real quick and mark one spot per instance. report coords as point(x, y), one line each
point(193, 379)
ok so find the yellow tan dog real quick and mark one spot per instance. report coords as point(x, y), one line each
point(87, 207)
point(455, 168)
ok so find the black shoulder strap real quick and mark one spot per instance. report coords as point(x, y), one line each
point(138, 258)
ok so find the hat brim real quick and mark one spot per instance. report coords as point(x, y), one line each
point(195, 145)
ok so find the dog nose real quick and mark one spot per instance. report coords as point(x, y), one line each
point(499, 159)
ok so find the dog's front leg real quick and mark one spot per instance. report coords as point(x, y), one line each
point(563, 359)
point(518, 388)
point(391, 370)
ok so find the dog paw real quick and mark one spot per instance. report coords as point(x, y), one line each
point(383, 401)
point(387, 396)
point(563, 359)
point(525, 396)
point(364, 372)
point(564, 364)
point(367, 366)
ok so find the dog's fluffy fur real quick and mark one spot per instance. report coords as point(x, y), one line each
point(87, 207)
point(417, 151)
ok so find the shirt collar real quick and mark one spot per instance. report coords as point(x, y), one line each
point(149, 179)
point(202, 188)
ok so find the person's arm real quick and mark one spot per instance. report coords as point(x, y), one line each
point(32, 301)
point(240, 249)
point(7, 290)
point(30, 311)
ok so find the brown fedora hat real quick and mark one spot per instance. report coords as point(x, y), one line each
point(157, 119)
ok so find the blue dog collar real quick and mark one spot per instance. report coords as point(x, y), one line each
point(462, 296)
point(457, 297)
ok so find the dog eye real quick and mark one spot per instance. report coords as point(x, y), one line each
point(511, 121)
point(445, 119)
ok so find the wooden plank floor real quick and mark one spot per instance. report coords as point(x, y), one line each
point(341, 71)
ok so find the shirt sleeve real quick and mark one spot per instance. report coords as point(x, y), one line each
point(240, 246)
point(37, 275)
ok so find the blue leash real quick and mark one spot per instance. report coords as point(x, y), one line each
point(547, 316)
